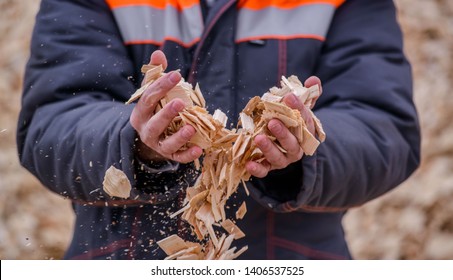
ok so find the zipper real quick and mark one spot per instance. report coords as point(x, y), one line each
point(192, 77)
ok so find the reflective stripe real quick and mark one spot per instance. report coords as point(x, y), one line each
point(305, 21)
point(150, 25)
point(159, 4)
point(284, 4)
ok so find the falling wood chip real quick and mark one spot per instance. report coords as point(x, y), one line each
point(172, 244)
point(231, 228)
point(241, 211)
point(116, 183)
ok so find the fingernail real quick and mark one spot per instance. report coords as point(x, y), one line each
point(174, 76)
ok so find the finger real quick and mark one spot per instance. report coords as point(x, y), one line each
point(175, 142)
point(259, 170)
point(292, 101)
point(272, 154)
point(146, 105)
point(158, 58)
point(285, 138)
point(311, 81)
point(156, 125)
point(188, 155)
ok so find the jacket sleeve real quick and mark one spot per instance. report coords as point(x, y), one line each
point(74, 125)
point(373, 137)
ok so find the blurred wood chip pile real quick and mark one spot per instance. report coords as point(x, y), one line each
point(226, 151)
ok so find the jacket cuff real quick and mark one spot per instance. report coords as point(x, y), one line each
point(152, 182)
point(157, 167)
point(288, 189)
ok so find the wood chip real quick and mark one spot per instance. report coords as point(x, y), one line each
point(240, 213)
point(172, 244)
point(232, 229)
point(116, 183)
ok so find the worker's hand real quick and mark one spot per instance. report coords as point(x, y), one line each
point(150, 127)
point(274, 158)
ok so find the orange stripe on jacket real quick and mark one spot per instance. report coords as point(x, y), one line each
point(160, 43)
point(284, 4)
point(282, 37)
point(158, 4)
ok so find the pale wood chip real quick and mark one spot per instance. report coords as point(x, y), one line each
point(271, 97)
point(245, 186)
point(240, 213)
point(116, 183)
point(200, 96)
point(179, 92)
point(318, 126)
point(226, 244)
point(288, 121)
point(220, 117)
point(233, 229)
point(310, 143)
point(186, 207)
point(152, 69)
point(238, 253)
point(180, 255)
point(294, 80)
point(251, 105)
point(242, 148)
point(287, 83)
point(280, 108)
point(172, 244)
point(247, 122)
point(200, 140)
point(302, 94)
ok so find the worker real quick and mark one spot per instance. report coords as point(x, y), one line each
point(85, 63)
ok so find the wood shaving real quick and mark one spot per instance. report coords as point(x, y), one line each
point(116, 183)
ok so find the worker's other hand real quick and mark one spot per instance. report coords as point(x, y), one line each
point(274, 158)
point(150, 127)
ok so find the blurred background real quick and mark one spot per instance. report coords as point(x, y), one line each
point(415, 221)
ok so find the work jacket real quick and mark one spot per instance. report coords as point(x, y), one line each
point(85, 63)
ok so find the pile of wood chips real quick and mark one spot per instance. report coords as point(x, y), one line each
point(226, 151)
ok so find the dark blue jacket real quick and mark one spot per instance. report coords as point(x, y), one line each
point(85, 63)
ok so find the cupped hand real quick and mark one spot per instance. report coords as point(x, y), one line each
point(274, 158)
point(150, 126)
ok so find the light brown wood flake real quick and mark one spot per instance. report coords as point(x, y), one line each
point(247, 122)
point(220, 117)
point(240, 213)
point(116, 183)
point(172, 244)
point(232, 229)
point(181, 93)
